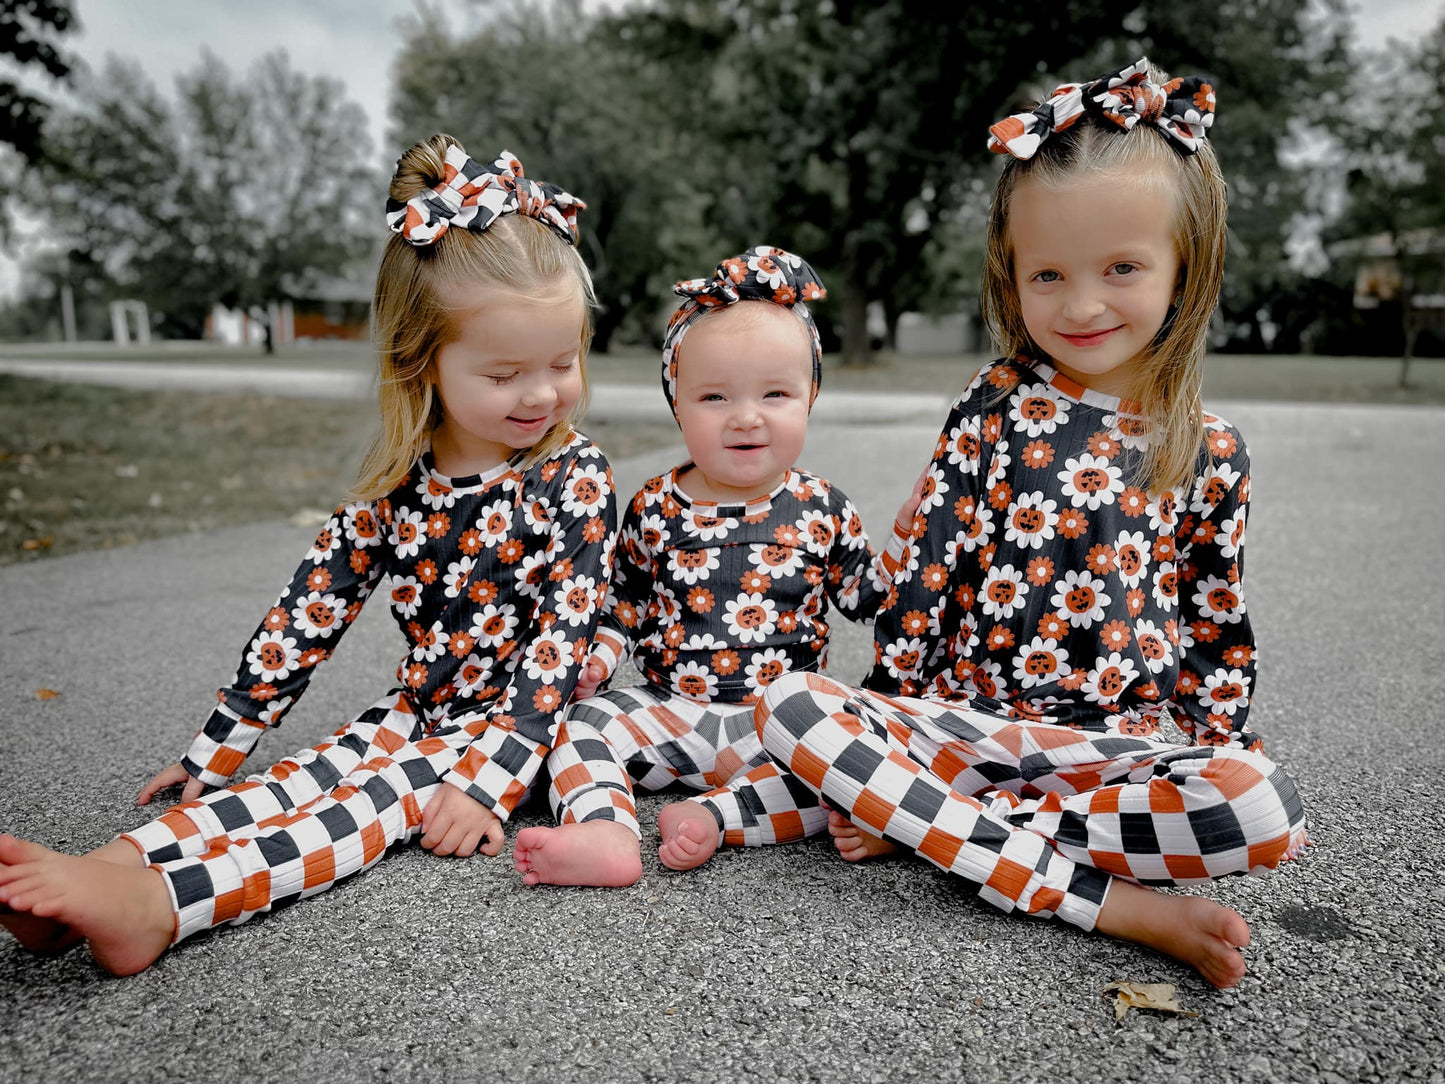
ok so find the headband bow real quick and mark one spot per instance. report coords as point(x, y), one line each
point(760, 274)
point(1183, 109)
point(473, 196)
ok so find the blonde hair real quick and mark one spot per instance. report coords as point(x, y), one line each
point(1167, 385)
point(412, 319)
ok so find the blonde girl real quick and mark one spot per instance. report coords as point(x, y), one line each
point(486, 518)
point(1075, 568)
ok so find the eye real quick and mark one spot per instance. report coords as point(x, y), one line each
point(501, 378)
point(1045, 276)
point(565, 366)
point(711, 397)
point(1123, 269)
point(776, 393)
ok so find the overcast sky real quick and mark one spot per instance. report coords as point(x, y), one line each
point(354, 40)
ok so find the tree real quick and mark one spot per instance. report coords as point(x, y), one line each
point(240, 188)
point(608, 129)
point(25, 29)
point(1394, 206)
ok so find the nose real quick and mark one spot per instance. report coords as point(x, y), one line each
point(747, 415)
point(539, 392)
point(1082, 304)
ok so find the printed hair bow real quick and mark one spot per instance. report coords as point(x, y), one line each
point(760, 274)
point(1182, 108)
point(473, 195)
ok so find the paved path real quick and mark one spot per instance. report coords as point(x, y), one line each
point(782, 963)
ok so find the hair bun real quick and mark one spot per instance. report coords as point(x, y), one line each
point(421, 167)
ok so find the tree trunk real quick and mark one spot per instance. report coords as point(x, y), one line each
point(890, 324)
point(855, 323)
point(1411, 329)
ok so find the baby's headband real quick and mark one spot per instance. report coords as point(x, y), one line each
point(473, 195)
point(760, 274)
point(1183, 109)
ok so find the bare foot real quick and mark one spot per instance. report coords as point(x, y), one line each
point(1197, 931)
point(123, 911)
point(601, 853)
point(48, 936)
point(853, 843)
point(689, 835)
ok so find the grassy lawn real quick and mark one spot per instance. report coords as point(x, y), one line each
point(84, 467)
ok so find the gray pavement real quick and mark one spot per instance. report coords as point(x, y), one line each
point(782, 963)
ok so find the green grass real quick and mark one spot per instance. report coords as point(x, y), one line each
point(84, 467)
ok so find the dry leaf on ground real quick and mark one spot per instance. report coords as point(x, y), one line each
point(46, 694)
point(1160, 996)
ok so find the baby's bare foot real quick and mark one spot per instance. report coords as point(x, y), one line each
point(853, 843)
point(47, 936)
point(1192, 929)
point(123, 911)
point(601, 853)
point(689, 835)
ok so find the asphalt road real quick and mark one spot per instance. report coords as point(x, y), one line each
point(774, 964)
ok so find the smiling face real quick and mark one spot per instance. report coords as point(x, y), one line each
point(512, 372)
point(744, 376)
point(1096, 270)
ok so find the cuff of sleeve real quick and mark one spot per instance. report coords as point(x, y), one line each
point(609, 648)
point(497, 768)
point(221, 746)
point(892, 555)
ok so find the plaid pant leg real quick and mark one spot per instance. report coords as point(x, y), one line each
point(244, 809)
point(588, 781)
point(378, 803)
point(759, 803)
point(854, 749)
point(1165, 814)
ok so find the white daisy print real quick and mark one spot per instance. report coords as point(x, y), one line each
point(1003, 592)
point(1090, 481)
point(1080, 596)
point(407, 532)
point(273, 656)
point(1030, 520)
point(318, 615)
point(750, 618)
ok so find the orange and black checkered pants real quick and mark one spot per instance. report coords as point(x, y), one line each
point(642, 737)
point(1039, 816)
point(307, 822)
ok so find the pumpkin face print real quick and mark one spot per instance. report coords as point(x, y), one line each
point(983, 681)
point(1028, 520)
point(1226, 693)
point(1040, 664)
point(821, 533)
point(577, 600)
point(1090, 480)
point(1151, 647)
point(1080, 600)
point(272, 656)
point(1037, 408)
point(495, 625)
point(403, 594)
point(967, 445)
point(1169, 584)
point(496, 523)
point(1110, 683)
point(406, 532)
point(364, 524)
point(691, 559)
point(651, 537)
point(906, 661)
point(769, 672)
point(1222, 600)
point(752, 616)
point(586, 490)
point(775, 556)
point(320, 615)
point(1214, 490)
point(1003, 591)
point(547, 655)
point(694, 685)
point(1130, 560)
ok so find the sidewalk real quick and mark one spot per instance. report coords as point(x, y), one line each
point(781, 963)
point(613, 402)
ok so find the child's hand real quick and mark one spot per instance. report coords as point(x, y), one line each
point(454, 822)
point(168, 777)
point(593, 675)
point(904, 520)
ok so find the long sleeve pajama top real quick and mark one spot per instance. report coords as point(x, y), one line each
point(1042, 583)
point(719, 600)
point(496, 581)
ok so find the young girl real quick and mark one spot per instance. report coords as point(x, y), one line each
point(490, 521)
point(726, 568)
point(1075, 568)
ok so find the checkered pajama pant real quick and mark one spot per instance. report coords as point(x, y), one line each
point(298, 828)
point(1039, 816)
point(642, 737)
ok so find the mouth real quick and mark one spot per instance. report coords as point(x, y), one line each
point(746, 447)
point(529, 423)
point(1089, 338)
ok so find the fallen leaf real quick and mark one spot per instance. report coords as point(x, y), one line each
point(1160, 996)
point(46, 694)
point(38, 543)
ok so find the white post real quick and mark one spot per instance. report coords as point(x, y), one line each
point(117, 324)
point(142, 321)
point(67, 311)
point(288, 322)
